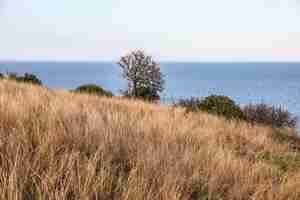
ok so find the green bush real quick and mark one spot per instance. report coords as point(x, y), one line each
point(214, 104)
point(93, 89)
point(143, 93)
point(221, 106)
point(29, 78)
point(270, 115)
point(26, 78)
point(147, 94)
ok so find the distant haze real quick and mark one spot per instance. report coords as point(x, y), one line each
point(177, 30)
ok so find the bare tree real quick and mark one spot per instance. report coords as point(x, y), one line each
point(142, 73)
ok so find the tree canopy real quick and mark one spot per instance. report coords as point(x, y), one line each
point(142, 74)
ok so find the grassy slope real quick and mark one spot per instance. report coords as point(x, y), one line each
point(58, 145)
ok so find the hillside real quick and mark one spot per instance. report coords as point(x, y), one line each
point(60, 145)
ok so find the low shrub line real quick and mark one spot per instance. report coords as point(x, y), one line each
point(26, 78)
point(261, 113)
point(220, 105)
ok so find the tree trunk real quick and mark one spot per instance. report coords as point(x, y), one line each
point(134, 89)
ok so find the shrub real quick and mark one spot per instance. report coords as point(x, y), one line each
point(221, 106)
point(12, 76)
point(29, 78)
point(147, 94)
point(191, 104)
point(93, 89)
point(276, 117)
point(214, 104)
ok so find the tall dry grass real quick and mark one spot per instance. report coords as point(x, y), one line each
point(60, 145)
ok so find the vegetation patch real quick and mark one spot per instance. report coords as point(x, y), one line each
point(93, 89)
point(284, 136)
point(284, 161)
point(263, 114)
point(190, 105)
point(199, 189)
point(26, 78)
point(276, 117)
point(143, 75)
point(213, 104)
point(52, 147)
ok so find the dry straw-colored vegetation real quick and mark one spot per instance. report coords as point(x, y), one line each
point(62, 145)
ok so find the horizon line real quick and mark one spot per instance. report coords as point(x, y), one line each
point(162, 61)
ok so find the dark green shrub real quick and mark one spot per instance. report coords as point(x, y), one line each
point(143, 93)
point(221, 106)
point(26, 78)
point(29, 78)
point(1, 76)
point(93, 89)
point(270, 115)
point(147, 94)
point(214, 104)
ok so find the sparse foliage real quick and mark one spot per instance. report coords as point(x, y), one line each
point(143, 75)
point(191, 104)
point(29, 78)
point(26, 78)
point(12, 76)
point(276, 117)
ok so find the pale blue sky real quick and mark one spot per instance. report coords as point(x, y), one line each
point(179, 30)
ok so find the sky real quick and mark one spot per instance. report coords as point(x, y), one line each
point(170, 30)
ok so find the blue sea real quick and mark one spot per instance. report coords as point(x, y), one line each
point(272, 83)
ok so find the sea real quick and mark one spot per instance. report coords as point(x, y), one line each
point(272, 83)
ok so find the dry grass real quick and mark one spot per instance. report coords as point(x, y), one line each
point(59, 145)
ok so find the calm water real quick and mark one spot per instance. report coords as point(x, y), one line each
point(274, 83)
